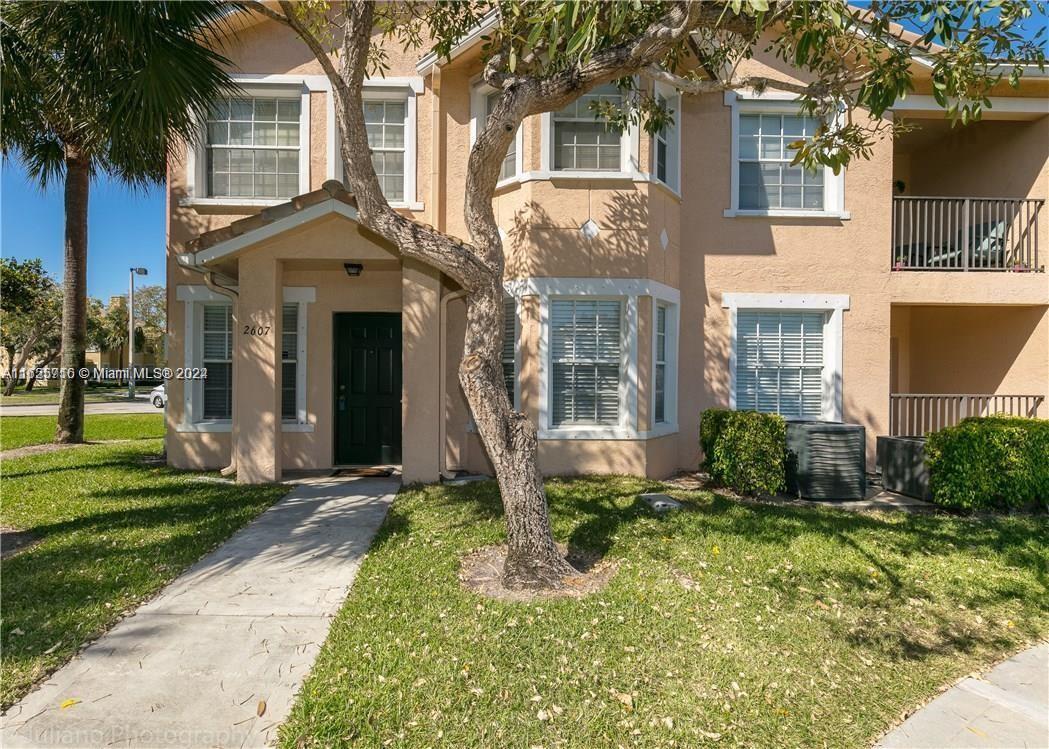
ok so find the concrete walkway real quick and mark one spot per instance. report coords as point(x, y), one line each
point(216, 659)
point(138, 406)
point(1006, 708)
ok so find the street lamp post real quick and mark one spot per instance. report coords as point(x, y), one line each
point(131, 332)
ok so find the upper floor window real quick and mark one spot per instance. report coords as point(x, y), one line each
point(586, 361)
point(584, 141)
point(509, 167)
point(666, 141)
point(386, 122)
point(253, 148)
point(766, 177)
point(764, 182)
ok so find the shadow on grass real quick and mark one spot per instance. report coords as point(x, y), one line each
point(599, 513)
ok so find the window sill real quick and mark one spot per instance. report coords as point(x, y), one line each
point(582, 175)
point(781, 213)
point(666, 188)
point(295, 426)
point(659, 430)
point(216, 426)
point(231, 202)
point(400, 204)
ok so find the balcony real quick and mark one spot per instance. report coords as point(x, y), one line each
point(962, 234)
point(917, 414)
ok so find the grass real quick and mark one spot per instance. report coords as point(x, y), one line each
point(727, 624)
point(20, 431)
point(48, 396)
point(111, 530)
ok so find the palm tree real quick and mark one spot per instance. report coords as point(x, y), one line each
point(102, 87)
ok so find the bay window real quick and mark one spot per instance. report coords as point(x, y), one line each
point(584, 141)
point(586, 361)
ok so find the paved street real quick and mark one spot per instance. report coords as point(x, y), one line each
point(216, 659)
point(139, 406)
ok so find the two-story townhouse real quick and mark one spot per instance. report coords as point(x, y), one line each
point(647, 277)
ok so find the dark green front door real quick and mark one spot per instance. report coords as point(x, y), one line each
point(367, 388)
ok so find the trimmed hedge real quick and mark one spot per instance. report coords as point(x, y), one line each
point(993, 463)
point(744, 450)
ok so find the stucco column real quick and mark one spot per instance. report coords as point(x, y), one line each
point(257, 372)
point(420, 345)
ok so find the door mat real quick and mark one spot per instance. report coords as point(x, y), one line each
point(376, 472)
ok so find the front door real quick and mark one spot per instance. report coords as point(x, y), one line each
point(367, 388)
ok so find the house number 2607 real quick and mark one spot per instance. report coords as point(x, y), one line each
point(257, 330)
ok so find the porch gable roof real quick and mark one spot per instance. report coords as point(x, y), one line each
point(332, 197)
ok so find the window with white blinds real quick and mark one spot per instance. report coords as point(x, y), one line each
point(217, 359)
point(779, 362)
point(660, 365)
point(586, 362)
point(767, 176)
point(289, 362)
point(509, 357)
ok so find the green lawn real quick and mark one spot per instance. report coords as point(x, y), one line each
point(727, 625)
point(112, 529)
point(19, 431)
point(44, 396)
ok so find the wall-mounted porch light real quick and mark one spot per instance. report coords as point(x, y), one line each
point(353, 269)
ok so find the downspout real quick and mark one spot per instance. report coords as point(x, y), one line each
point(186, 261)
point(437, 218)
point(442, 377)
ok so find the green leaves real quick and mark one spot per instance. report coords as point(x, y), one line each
point(124, 81)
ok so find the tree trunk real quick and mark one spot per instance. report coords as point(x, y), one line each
point(532, 559)
point(74, 297)
point(8, 387)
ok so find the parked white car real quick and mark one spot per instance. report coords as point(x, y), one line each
point(158, 396)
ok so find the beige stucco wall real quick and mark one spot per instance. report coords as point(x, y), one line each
point(706, 256)
point(973, 349)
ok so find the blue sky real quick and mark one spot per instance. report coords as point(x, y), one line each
point(125, 228)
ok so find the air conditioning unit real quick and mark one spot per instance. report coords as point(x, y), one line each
point(902, 464)
point(826, 460)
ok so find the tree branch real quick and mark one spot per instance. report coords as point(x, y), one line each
point(759, 83)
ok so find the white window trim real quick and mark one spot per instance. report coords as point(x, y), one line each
point(673, 97)
point(670, 424)
point(627, 290)
point(478, 96)
point(196, 162)
point(629, 162)
point(412, 86)
point(193, 297)
point(409, 88)
point(778, 102)
point(833, 305)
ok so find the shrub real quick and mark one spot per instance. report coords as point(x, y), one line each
point(744, 450)
point(990, 463)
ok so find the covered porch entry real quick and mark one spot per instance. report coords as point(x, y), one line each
point(332, 339)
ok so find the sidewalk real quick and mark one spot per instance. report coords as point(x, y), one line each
point(1006, 707)
point(216, 659)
